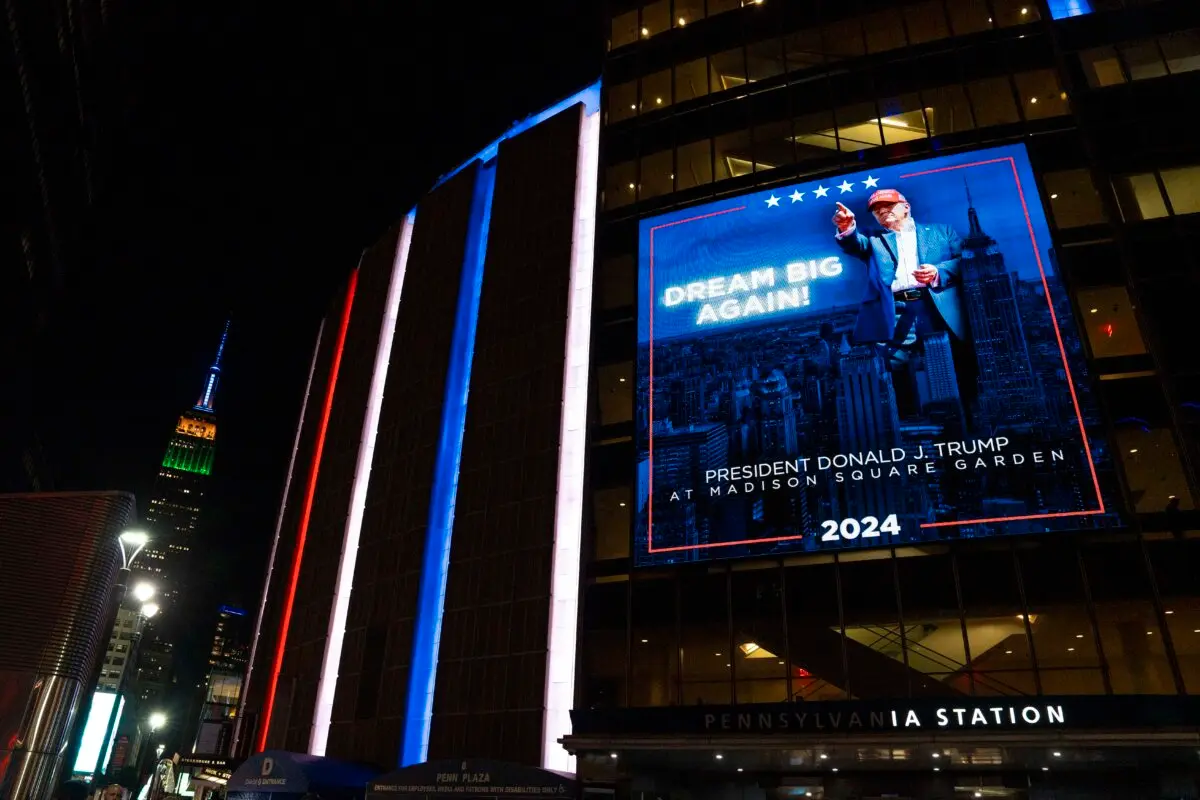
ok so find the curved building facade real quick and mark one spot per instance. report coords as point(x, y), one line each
point(861, 464)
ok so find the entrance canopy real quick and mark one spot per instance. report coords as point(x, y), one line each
point(461, 778)
point(281, 776)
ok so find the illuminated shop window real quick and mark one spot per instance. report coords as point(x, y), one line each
point(1129, 631)
point(657, 175)
point(1183, 189)
point(1182, 51)
point(656, 18)
point(617, 282)
point(759, 662)
point(902, 118)
point(624, 29)
point(884, 30)
point(764, 60)
point(611, 513)
point(1041, 94)
point(1139, 197)
point(926, 22)
point(735, 156)
point(687, 12)
point(728, 70)
point(858, 127)
point(614, 388)
point(802, 49)
point(622, 102)
point(653, 656)
point(992, 101)
point(656, 90)
point(947, 110)
point(1102, 66)
point(1073, 198)
point(1108, 317)
point(1001, 661)
point(691, 80)
point(1174, 570)
point(693, 164)
point(1015, 12)
point(620, 184)
point(1063, 639)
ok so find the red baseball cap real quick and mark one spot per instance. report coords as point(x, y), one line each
point(885, 196)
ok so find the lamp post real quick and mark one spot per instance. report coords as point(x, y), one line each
point(130, 543)
point(155, 721)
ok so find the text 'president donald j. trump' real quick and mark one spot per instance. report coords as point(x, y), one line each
point(913, 275)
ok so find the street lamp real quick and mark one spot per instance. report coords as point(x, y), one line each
point(157, 720)
point(149, 610)
point(132, 543)
point(143, 591)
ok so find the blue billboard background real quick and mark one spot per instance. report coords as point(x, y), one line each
point(789, 400)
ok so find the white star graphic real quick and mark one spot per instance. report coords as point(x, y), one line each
point(846, 186)
point(772, 202)
point(820, 191)
point(870, 183)
point(797, 197)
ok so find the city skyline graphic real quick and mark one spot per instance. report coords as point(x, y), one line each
point(723, 390)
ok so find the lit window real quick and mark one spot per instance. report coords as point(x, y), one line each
point(1102, 67)
point(1143, 60)
point(1112, 328)
point(1073, 198)
point(1182, 51)
point(1139, 197)
point(1183, 188)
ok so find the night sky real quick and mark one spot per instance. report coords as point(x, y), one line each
point(250, 153)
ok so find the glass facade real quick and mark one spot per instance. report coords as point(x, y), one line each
point(703, 100)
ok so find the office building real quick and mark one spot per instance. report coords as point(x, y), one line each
point(1019, 633)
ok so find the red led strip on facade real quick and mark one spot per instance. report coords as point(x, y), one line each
point(314, 470)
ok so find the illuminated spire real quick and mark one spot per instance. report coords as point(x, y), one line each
point(972, 215)
point(214, 373)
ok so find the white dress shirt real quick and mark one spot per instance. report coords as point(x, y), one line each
point(906, 258)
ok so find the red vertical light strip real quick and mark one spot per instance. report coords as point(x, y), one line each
point(314, 470)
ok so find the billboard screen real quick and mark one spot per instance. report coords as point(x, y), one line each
point(883, 358)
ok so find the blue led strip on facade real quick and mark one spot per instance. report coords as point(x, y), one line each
point(427, 630)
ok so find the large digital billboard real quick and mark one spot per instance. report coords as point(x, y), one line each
point(882, 358)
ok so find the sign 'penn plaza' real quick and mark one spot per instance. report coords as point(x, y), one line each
point(945, 717)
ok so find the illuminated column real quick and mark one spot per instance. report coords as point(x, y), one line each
point(327, 686)
point(568, 512)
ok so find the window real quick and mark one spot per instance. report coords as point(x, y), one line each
point(947, 110)
point(610, 513)
point(760, 642)
point(735, 156)
point(1142, 59)
point(1173, 569)
point(656, 18)
point(705, 645)
point(1073, 198)
point(1015, 12)
point(902, 118)
point(691, 80)
point(1182, 51)
point(1000, 659)
point(969, 16)
point(844, 39)
point(1183, 189)
point(728, 70)
point(604, 639)
point(624, 29)
point(874, 646)
point(721, 6)
point(803, 49)
point(815, 643)
point(773, 146)
point(687, 12)
point(934, 646)
point(1139, 197)
point(992, 100)
point(694, 164)
point(858, 127)
point(620, 184)
point(1112, 328)
point(657, 175)
point(654, 657)
point(622, 102)
point(614, 386)
point(764, 60)
point(617, 282)
point(1041, 96)
point(1146, 445)
point(1102, 67)
point(884, 30)
point(814, 135)
point(926, 22)
point(656, 90)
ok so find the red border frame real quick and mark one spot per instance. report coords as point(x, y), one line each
point(1057, 333)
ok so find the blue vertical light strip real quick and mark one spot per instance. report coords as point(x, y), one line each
point(1069, 8)
point(427, 630)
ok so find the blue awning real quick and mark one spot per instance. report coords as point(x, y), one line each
point(282, 773)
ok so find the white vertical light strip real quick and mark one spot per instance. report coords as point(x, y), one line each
point(568, 511)
point(287, 486)
point(327, 685)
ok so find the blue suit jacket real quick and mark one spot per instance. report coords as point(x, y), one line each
point(939, 245)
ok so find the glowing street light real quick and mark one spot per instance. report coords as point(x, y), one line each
point(157, 720)
point(132, 543)
point(149, 610)
point(144, 591)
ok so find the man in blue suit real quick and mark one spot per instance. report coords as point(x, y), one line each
point(913, 281)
